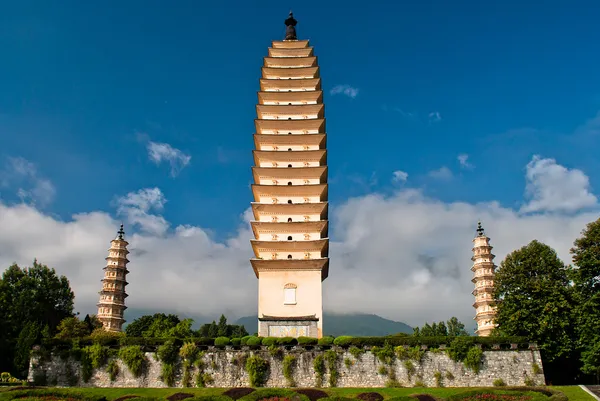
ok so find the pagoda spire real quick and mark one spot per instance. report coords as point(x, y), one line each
point(111, 306)
point(290, 30)
point(483, 277)
point(290, 226)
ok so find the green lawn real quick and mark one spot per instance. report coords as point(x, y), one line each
point(574, 393)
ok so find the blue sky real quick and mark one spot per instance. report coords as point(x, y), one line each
point(81, 80)
point(438, 113)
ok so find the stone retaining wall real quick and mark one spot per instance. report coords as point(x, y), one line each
point(435, 369)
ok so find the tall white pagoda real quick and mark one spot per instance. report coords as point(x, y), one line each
point(483, 277)
point(111, 307)
point(290, 242)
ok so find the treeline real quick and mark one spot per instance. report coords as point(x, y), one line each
point(537, 296)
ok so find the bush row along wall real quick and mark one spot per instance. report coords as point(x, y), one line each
point(295, 367)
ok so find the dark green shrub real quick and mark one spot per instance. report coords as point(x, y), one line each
point(257, 369)
point(326, 341)
point(385, 354)
point(342, 341)
point(113, 370)
point(167, 354)
point(97, 354)
point(499, 383)
point(253, 341)
point(319, 367)
point(356, 352)
point(287, 341)
point(473, 359)
point(331, 357)
point(289, 362)
point(134, 358)
point(307, 341)
point(268, 341)
point(459, 347)
point(221, 341)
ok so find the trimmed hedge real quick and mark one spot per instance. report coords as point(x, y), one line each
point(151, 344)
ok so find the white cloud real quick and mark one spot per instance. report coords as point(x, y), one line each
point(22, 176)
point(347, 90)
point(136, 207)
point(408, 256)
point(159, 152)
point(463, 159)
point(443, 173)
point(399, 176)
point(434, 116)
point(555, 188)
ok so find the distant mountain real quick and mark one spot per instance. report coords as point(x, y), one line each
point(354, 324)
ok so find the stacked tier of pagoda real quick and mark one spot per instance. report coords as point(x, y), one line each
point(290, 192)
point(111, 307)
point(483, 277)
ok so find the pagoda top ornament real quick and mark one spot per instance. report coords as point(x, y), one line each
point(290, 30)
point(480, 232)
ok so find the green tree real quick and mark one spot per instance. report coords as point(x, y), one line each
point(143, 323)
point(183, 329)
point(586, 283)
point(534, 299)
point(72, 327)
point(161, 327)
point(456, 328)
point(33, 294)
point(222, 327)
point(29, 335)
point(441, 330)
point(237, 331)
point(213, 330)
point(92, 322)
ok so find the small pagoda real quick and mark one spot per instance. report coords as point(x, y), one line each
point(483, 278)
point(112, 297)
point(290, 191)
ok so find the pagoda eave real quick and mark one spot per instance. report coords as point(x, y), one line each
point(282, 156)
point(320, 226)
point(285, 53)
point(290, 62)
point(117, 258)
point(111, 304)
point(284, 127)
point(116, 268)
point(290, 85)
point(261, 140)
point(284, 173)
point(290, 73)
point(289, 44)
point(320, 264)
point(296, 97)
point(105, 291)
point(270, 209)
point(319, 190)
point(320, 245)
point(263, 111)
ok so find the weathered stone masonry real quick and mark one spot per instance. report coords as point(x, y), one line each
point(512, 366)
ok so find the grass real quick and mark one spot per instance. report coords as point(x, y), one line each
point(574, 393)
